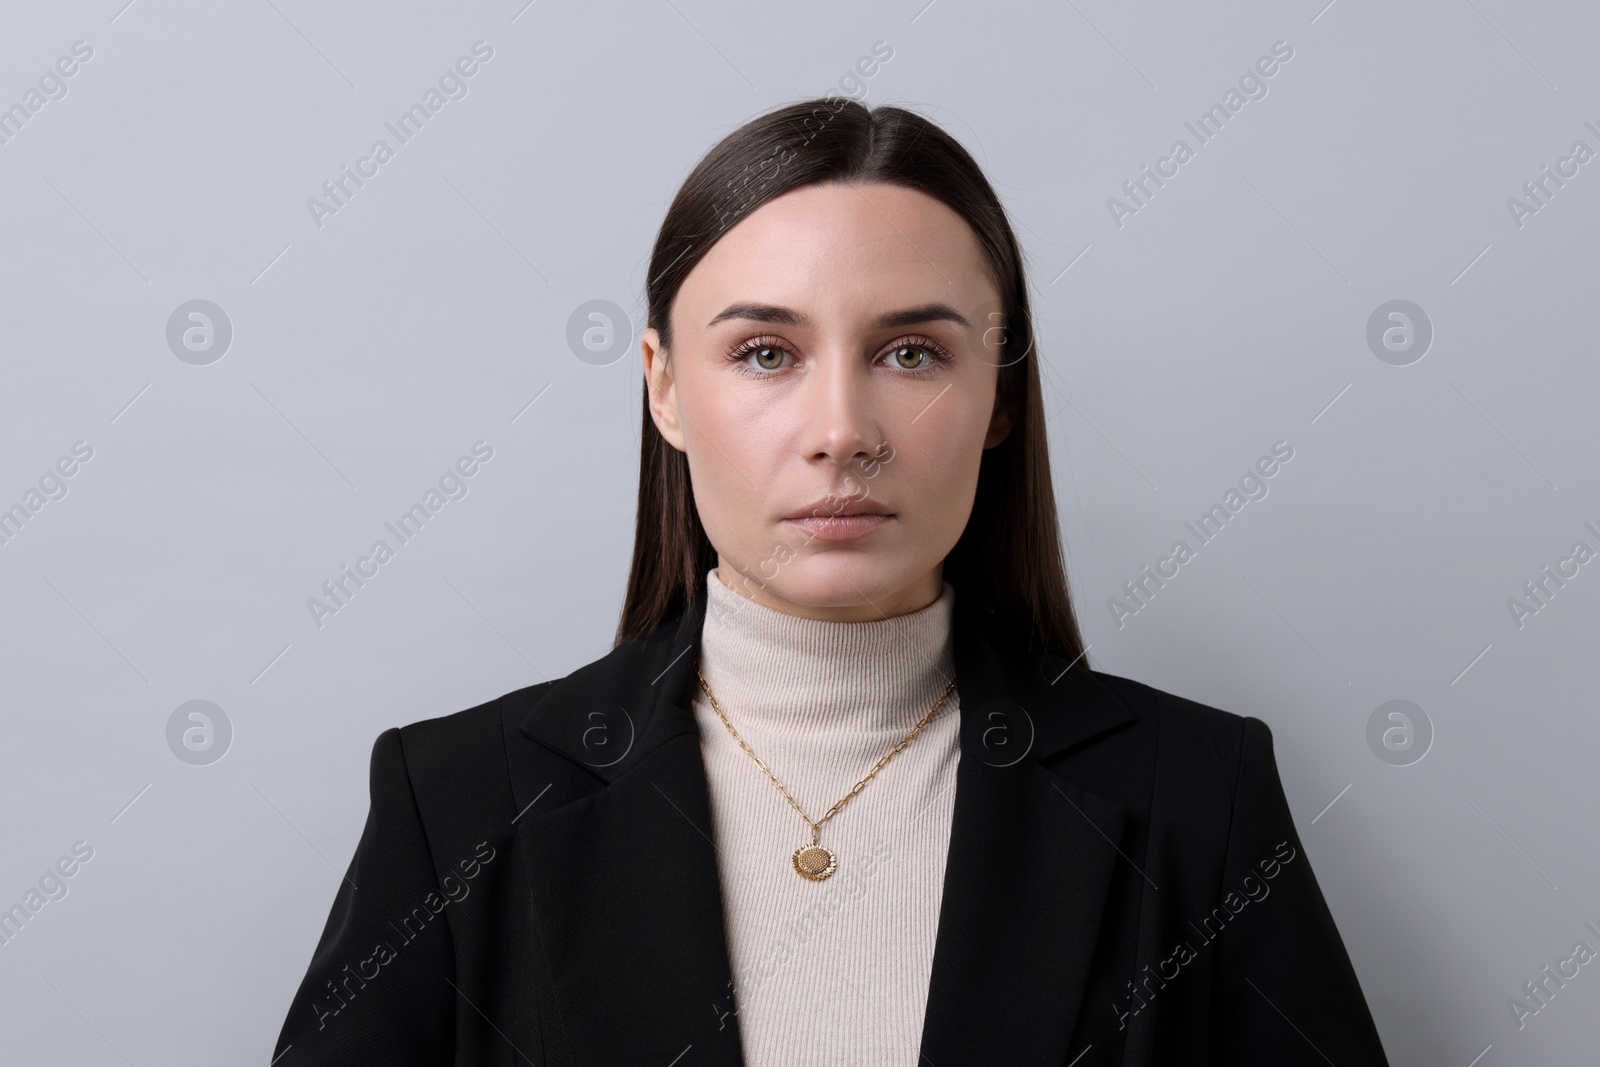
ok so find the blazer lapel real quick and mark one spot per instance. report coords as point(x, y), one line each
point(1030, 861)
point(626, 899)
point(627, 902)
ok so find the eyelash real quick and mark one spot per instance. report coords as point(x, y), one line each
point(938, 355)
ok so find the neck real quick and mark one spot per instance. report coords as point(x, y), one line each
point(771, 670)
point(856, 607)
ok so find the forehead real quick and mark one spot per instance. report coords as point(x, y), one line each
point(841, 249)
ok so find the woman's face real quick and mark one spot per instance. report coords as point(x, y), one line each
point(836, 351)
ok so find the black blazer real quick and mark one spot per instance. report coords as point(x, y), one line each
point(536, 884)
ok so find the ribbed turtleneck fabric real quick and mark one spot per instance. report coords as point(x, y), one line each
point(833, 972)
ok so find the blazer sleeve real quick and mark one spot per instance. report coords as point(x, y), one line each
point(1284, 991)
point(378, 989)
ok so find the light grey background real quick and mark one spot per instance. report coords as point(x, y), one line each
point(431, 311)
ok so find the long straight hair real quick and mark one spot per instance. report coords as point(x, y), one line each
point(1008, 561)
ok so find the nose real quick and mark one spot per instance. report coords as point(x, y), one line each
point(838, 411)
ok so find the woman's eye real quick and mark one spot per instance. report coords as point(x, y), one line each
point(767, 357)
point(912, 352)
point(760, 358)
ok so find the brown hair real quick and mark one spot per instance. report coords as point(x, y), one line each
point(1008, 559)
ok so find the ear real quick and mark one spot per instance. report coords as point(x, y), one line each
point(1000, 424)
point(662, 389)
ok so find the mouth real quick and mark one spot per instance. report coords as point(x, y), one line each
point(837, 507)
point(840, 520)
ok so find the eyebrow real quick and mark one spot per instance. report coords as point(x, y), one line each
point(889, 320)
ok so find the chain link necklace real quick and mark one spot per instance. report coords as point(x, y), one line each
point(816, 861)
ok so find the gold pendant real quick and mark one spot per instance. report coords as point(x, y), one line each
point(815, 861)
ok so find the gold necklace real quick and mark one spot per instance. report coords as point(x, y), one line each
point(817, 861)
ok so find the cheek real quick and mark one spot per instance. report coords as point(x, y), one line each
point(732, 455)
point(949, 471)
point(733, 443)
point(939, 458)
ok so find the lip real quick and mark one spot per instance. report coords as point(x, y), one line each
point(833, 507)
point(842, 517)
point(841, 527)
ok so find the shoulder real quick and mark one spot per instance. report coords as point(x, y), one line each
point(452, 767)
point(490, 742)
point(1179, 746)
point(1179, 717)
point(474, 738)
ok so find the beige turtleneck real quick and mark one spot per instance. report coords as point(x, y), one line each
point(833, 972)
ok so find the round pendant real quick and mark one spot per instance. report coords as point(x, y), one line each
point(815, 862)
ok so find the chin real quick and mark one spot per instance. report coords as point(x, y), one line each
point(841, 577)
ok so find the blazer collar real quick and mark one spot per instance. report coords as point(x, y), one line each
point(625, 882)
point(636, 697)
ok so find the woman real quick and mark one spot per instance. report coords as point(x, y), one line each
point(845, 791)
